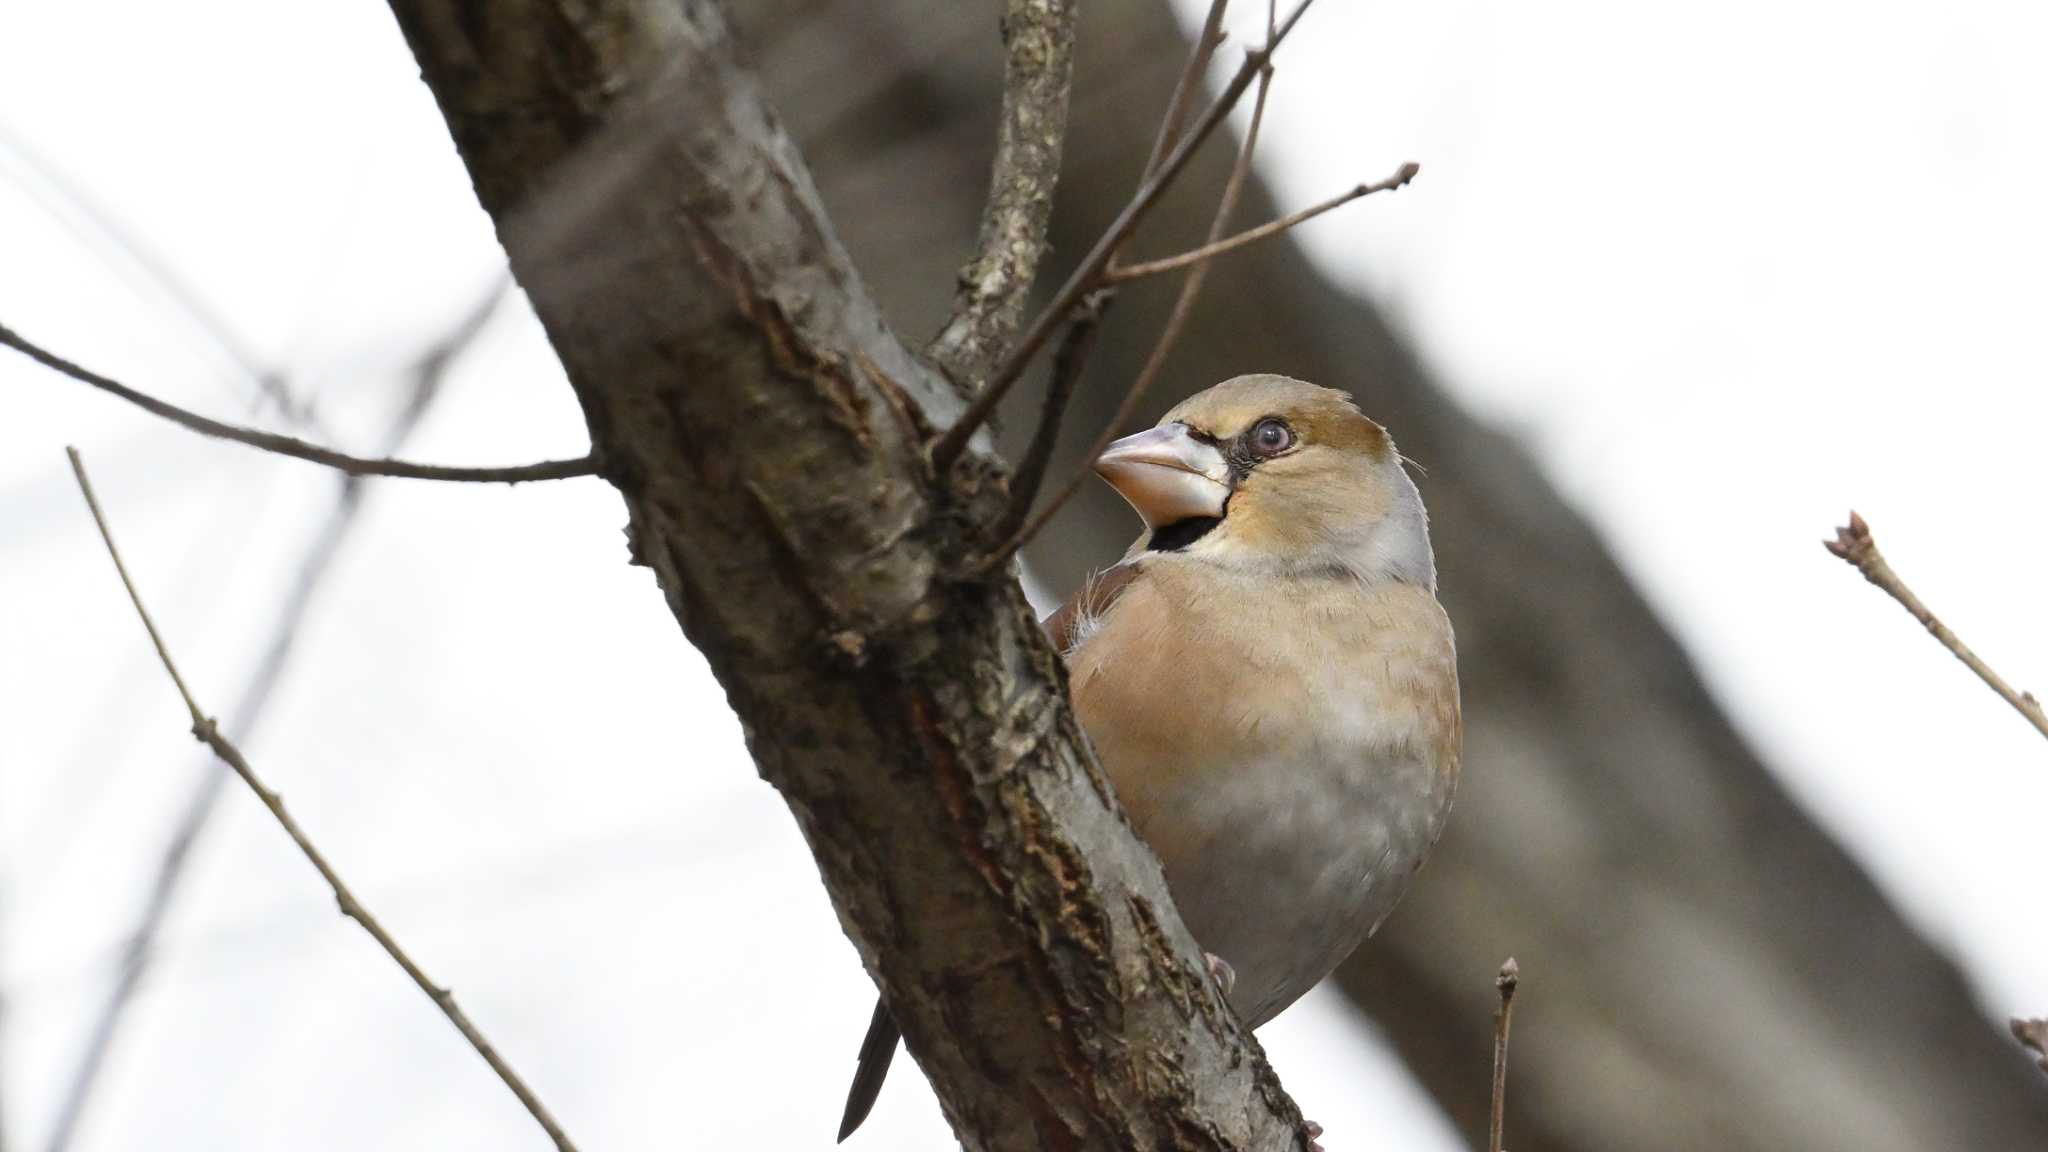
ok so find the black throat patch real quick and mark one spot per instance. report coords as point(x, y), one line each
point(1181, 533)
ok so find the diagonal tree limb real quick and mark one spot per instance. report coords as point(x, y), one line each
point(766, 431)
point(208, 733)
point(138, 953)
point(1038, 74)
point(291, 445)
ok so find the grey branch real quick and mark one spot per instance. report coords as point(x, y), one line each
point(291, 445)
point(209, 734)
point(1038, 73)
point(1855, 545)
point(766, 431)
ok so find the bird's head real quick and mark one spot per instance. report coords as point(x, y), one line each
point(1269, 474)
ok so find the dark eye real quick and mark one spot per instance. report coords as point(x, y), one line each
point(1271, 438)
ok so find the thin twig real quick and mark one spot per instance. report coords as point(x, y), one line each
point(1510, 977)
point(1854, 544)
point(2033, 1036)
point(1183, 305)
point(209, 734)
point(1176, 116)
point(291, 445)
point(994, 287)
point(1068, 360)
point(1126, 272)
point(1087, 276)
point(430, 373)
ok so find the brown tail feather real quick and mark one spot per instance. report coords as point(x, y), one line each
point(875, 1053)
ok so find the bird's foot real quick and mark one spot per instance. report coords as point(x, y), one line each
point(1312, 1130)
point(1224, 975)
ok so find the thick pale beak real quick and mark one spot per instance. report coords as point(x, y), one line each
point(1167, 475)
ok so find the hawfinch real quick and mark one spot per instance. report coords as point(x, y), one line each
point(1268, 681)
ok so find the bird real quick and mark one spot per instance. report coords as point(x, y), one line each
point(1269, 682)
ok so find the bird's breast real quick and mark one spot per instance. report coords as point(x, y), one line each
point(1289, 752)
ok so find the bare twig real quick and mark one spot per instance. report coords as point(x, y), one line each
point(1510, 977)
point(1087, 276)
point(1122, 273)
point(209, 734)
point(1176, 115)
point(291, 445)
point(1183, 305)
point(139, 950)
point(1038, 36)
point(1854, 544)
point(1068, 361)
point(2033, 1036)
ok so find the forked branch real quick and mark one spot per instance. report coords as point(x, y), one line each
point(1088, 275)
point(1021, 497)
point(208, 733)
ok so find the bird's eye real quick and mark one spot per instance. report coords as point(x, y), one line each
point(1271, 438)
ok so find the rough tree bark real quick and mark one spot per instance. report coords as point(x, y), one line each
point(1705, 968)
point(767, 432)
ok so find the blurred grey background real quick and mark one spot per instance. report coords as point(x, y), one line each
point(1677, 286)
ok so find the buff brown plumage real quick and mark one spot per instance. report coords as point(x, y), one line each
point(1268, 680)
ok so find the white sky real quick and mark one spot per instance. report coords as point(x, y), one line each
point(1730, 270)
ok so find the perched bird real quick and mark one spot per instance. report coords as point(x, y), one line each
point(1268, 681)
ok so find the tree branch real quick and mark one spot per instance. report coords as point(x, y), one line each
point(1088, 275)
point(1183, 306)
point(1505, 984)
point(209, 734)
point(291, 445)
point(996, 284)
point(766, 431)
point(430, 373)
point(1855, 545)
point(1127, 272)
point(1068, 362)
point(1200, 52)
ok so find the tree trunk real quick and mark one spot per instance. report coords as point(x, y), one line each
point(1704, 968)
point(768, 434)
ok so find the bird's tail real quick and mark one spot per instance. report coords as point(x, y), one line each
point(875, 1053)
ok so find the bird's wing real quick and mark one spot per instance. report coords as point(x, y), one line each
point(1076, 619)
point(876, 1050)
